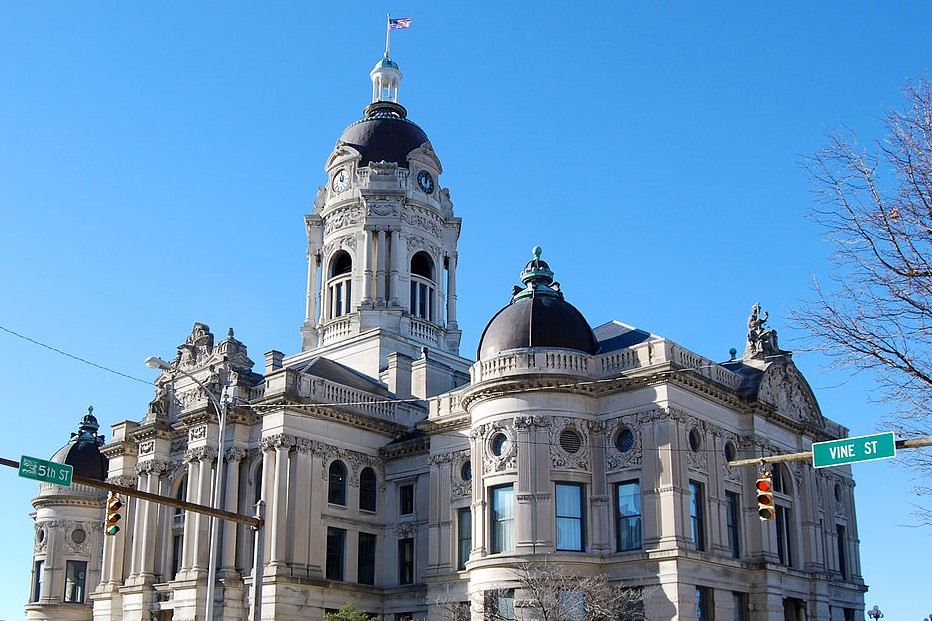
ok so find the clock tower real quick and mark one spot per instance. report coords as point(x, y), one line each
point(382, 246)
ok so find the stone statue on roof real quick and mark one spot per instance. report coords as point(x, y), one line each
point(762, 341)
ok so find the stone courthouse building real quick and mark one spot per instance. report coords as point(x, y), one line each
point(402, 476)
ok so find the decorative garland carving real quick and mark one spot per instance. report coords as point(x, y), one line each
point(235, 454)
point(200, 453)
point(343, 218)
point(381, 209)
point(732, 475)
point(618, 460)
point(422, 222)
point(406, 529)
point(459, 486)
point(509, 458)
point(123, 480)
point(559, 457)
point(151, 466)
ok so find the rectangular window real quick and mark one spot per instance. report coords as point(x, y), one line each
point(75, 575)
point(405, 561)
point(628, 516)
point(406, 499)
point(464, 537)
point(842, 545)
point(570, 519)
point(177, 548)
point(697, 514)
point(732, 522)
point(37, 577)
point(704, 605)
point(366, 559)
point(740, 606)
point(501, 604)
point(503, 518)
point(336, 547)
point(784, 549)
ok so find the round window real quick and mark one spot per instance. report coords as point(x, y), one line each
point(78, 535)
point(570, 441)
point(695, 440)
point(466, 471)
point(500, 444)
point(838, 492)
point(730, 451)
point(624, 440)
point(40, 535)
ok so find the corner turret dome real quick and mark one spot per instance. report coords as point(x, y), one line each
point(83, 450)
point(384, 134)
point(537, 316)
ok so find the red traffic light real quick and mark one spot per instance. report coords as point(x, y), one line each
point(764, 485)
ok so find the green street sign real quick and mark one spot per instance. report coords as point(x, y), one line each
point(45, 471)
point(851, 450)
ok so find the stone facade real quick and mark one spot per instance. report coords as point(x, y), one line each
point(403, 477)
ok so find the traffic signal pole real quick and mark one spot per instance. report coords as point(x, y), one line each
point(773, 459)
point(251, 521)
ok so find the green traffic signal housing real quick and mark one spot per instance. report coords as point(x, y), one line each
point(113, 507)
point(764, 488)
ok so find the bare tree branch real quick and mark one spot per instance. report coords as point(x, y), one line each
point(876, 316)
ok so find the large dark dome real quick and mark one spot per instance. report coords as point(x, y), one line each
point(384, 135)
point(83, 451)
point(537, 316)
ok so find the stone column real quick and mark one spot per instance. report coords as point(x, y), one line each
point(227, 562)
point(313, 262)
point(304, 480)
point(380, 274)
point(201, 494)
point(277, 523)
point(397, 264)
point(367, 268)
point(451, 292)
point(149, 512)
point(135, 564)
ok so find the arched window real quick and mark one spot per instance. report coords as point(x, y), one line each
point(422, 286)
point(367, 489)
point(340, 285)
point(336, 490)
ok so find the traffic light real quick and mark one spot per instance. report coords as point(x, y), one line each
point(764, 487)
point(113, 507)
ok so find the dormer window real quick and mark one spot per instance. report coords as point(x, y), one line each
point(340, 284)
point(422, 286)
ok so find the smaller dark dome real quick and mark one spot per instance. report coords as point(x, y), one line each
point(384, 135)
point(537, 316)
point(83, 450)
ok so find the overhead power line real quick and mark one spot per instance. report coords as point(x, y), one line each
point(73, 357)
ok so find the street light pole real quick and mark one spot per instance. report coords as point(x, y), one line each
point(214, 527)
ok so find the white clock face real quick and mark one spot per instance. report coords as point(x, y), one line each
point(340, 180)
point(425, 181)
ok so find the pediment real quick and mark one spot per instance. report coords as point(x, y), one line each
point(785, 388)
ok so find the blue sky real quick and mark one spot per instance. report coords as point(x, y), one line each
point(156, 161)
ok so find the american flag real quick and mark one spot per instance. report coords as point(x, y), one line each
point(399, 23)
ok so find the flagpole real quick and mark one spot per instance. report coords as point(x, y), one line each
point(388, 29)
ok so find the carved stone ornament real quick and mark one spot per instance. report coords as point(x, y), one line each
point(460, 487)
point(197, 433)
point(381, 209)
point(343, 218)
point(574, 457)
point(406, 529)
point(151, 466)
point(123, 480)
point(732, 475)
point(146, 447)
point(617, 459)
point(508, 457)
point(697, 459)
point(425, 223)
point(200, 453)
point(235, 454)
point(277, 441)
point(784, 388)
point(42, 536)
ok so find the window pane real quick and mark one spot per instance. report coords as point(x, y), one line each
point(733, 513)
point(628, 516)
point(406, 561)
point(74, 581)
point(367, 490)
point(37, 580)
point(503, 536)
point(336, 543)
point(406, 499)
point(366, 573)
point(464, 530)
point(569, 520)
point(696, 514)
point(336, 492)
